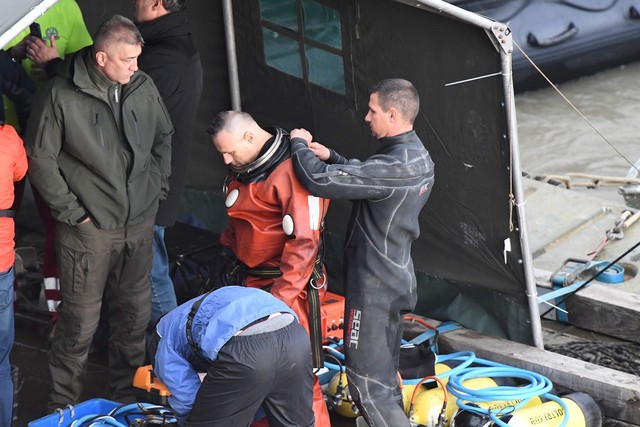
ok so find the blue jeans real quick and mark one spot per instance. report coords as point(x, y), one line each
point(163, 295)
point(6, 342)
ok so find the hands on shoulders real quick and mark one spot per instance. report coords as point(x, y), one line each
point(318, 149)
point(301, 133)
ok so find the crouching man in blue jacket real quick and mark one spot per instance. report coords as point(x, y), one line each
point(252, 352)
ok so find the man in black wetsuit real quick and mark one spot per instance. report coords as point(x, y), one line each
point(388, 191)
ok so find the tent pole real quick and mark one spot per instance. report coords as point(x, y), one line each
point(229, 31)
point(504, 43)
point(451, 10)
point(516, 176)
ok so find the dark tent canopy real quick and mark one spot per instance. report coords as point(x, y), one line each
point(465, 273)
point(309, 63)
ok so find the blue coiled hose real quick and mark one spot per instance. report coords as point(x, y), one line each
point(332, 366)
point(133, 409)
point(538, 386)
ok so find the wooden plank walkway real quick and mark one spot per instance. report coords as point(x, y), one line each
point(606, 310)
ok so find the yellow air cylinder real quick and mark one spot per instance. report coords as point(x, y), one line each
point(343, 404)
point(428, 404)
point(407, 392)
point(441, 368)
point(583, 411)
point(408, 389)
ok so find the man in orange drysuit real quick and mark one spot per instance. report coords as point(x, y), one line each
point(275, 224)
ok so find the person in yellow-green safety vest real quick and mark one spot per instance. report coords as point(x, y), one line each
point(63, 32)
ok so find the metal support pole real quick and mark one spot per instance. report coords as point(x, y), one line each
point(516, 176)
point(503, 42)
point(229, 31)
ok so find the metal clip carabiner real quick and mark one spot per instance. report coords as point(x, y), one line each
point(324, 282)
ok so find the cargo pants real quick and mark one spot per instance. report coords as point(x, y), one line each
point(93, 264)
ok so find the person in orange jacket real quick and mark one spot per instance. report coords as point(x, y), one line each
point(275, 224)
point(13, 167)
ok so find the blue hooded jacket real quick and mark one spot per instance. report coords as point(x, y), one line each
point(220, 316)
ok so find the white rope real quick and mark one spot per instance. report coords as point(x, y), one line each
point(576, 109)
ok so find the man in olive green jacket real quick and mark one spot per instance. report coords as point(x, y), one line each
point(98, 143)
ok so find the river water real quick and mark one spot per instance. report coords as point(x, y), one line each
point(555, 139)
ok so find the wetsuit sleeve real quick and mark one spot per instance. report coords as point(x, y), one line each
point(43, 143)
point(372, 179)
point(336, 158)
point(300, 250)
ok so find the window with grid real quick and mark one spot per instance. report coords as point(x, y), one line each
point(303, 38)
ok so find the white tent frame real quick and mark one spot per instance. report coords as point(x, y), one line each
point(500, 35)
point(13, 16)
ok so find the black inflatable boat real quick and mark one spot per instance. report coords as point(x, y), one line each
point(565, 38)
